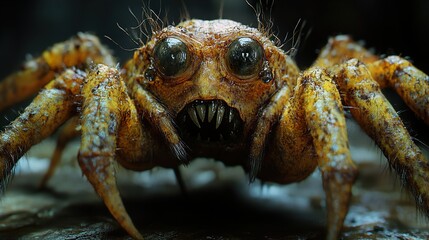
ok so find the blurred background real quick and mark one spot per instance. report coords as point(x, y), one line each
point(390, 28)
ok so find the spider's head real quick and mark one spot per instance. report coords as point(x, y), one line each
point(213, 76)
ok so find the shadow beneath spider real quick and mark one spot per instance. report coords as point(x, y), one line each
point(221, 214)
point(208, 213)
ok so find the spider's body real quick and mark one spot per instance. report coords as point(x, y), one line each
point(217, 89)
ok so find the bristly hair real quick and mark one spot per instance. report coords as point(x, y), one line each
point(8, 176)
point(265, 22)
point(298, 37)
point(147, 24)
point(266, 27)
point(184, 13)
point(150, 22)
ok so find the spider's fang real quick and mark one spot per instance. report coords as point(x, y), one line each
point(212, 111)
point(219, 116)
point(231, 116)
point(195, 121)
point(201, 110)
point(193, 114)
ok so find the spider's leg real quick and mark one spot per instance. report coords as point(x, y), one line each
point(149, 107)
point(342, 48)
point(381, 122)
point(180, 182)
point(68, 132)
point(311, 132)
point(408, 81)
point(135, 143)
point(267, 118)
point(324, 117)
point(35, 73)
point(51, 108)
point(395, 72)
point(105, 98)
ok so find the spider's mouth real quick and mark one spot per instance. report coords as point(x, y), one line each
point(209, 121)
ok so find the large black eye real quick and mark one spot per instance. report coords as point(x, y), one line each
point(171, 57)
point(244, 57)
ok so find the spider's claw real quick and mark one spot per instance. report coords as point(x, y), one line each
point(268, 117)
point(160, 117)
point(337, 185)
point(255, 166)
point(322, 101)
point(179, 150)
point(101, 118)
point(99, 171)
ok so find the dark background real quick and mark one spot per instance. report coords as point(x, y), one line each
point(390, 28)
point(387, 27)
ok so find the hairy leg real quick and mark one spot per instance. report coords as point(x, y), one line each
point(380, 121)
point(51, 108)
point(154, 112)
point(136, 146)
point(326, 122)
point(104, 103)
point(409, 82)
point(340, 49)
point(267, 118)
point(395, 72)
point(312, 132)
point(37, 72)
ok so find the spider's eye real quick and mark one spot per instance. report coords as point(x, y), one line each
point(244, 57)
point(171, 57)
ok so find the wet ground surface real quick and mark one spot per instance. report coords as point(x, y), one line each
point(220, 204)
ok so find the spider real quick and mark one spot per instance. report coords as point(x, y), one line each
point(216, 89)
